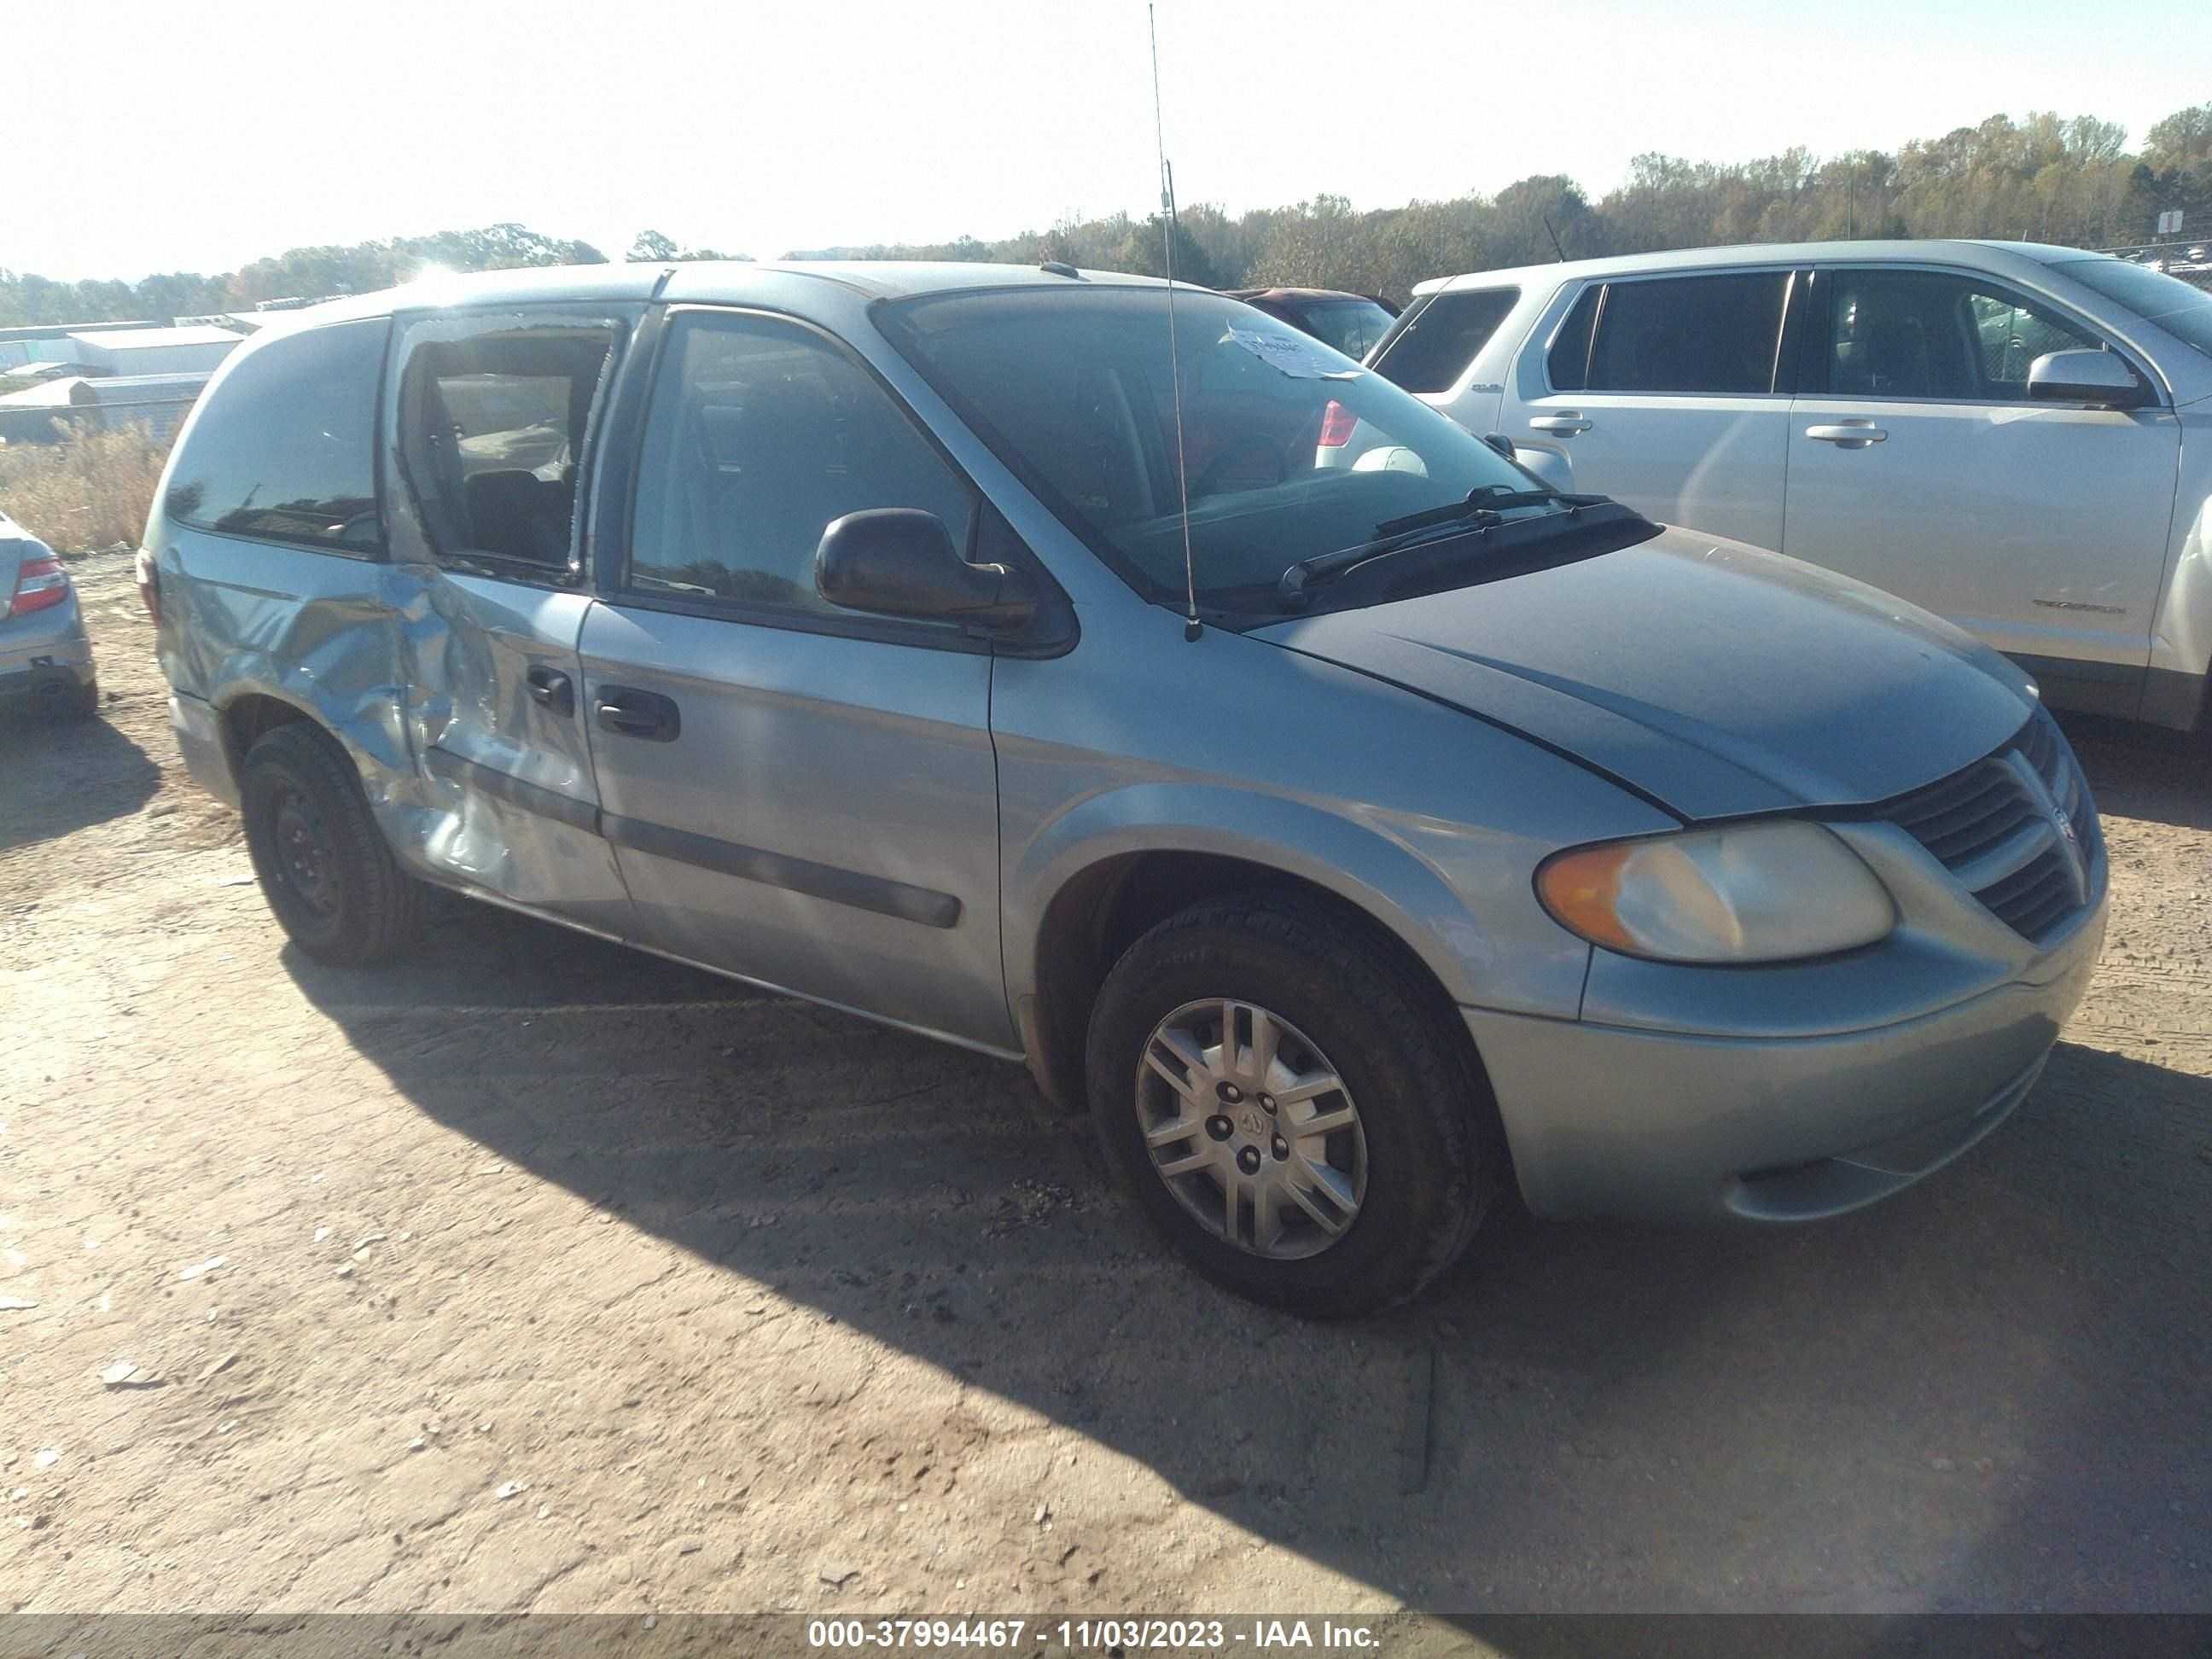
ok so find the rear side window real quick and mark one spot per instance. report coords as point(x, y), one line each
point(286, 448)
point(1432, 345)
point(1715, 334)
point(1567, 366)
point(491, 427)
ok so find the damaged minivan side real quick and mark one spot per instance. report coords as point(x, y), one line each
point(826, 627)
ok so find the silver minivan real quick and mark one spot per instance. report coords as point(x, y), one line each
point(987, 651)
point(2015, 436)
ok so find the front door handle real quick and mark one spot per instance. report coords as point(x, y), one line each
point(631, 713)
point(1566, 425)
point(1849, 434)
point(550, 689)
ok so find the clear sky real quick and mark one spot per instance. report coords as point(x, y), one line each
point(198, 136)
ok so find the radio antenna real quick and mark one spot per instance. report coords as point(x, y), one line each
point(1190, 624)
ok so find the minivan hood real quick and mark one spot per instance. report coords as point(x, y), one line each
point(1714, 678)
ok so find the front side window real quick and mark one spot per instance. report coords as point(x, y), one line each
point(761, 434)
point(286, 446)
point(2184, 311)
point(1933, 334)
point(491, 430)
point(1288, 449)
point(1712, 335)
point(1433, 346)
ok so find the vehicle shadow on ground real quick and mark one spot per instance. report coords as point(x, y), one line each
point(1986, 1393)
point(64, 775)
point(2145, 772)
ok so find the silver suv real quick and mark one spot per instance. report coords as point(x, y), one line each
point(831, 627)
point(2017, 437)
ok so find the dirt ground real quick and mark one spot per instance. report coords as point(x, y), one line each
point(538, 1274)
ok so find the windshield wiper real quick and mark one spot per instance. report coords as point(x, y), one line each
point(1483, 510)
point(1483, 498)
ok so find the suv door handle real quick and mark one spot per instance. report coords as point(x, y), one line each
point(1849, 435)
point(631, 713)
point(1566, 425)
point(550, 689)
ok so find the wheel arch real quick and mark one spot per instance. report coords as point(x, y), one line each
point(245, 716)
point(367, 727)
point(1082, 898)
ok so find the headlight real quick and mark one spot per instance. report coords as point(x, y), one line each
point(1759, 892)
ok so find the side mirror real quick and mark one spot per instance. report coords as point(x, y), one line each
point(900, 562)
point(2085, 377)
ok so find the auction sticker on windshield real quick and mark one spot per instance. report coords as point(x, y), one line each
point(1294, 354)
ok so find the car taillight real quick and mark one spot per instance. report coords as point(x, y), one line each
point(149, 585)
point(1336, 424)
point(38, 583)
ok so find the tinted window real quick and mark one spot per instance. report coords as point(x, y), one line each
point(1432, 348)
point(491, 425)
point(762, 434)
point(2184, 311)
point(1699, 334)
point(286, 447)
point(1352, 326)
point(1567, 366)
point(1929, 334)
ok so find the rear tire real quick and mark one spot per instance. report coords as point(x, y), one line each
point(79, 702)
point(1360, 1039)
point(323, 865)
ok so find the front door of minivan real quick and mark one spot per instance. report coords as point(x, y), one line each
point(797, 795)
point(1660, 391)
point(486, 434)
point(1918, 462)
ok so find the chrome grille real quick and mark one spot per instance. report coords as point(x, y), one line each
point(1993, 828)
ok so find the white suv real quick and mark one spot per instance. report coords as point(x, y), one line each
point(2015, 436)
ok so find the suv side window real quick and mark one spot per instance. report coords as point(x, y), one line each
point(1715, 334)
point(1566, 365)
point(1432, 345)
point(491, 428)
point(1934, 334)
point(286, 448)
point(760, 435)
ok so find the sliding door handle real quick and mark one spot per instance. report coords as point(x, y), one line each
point(550, 689)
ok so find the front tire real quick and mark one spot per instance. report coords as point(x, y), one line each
point(1332, 1156)
point(323, 865)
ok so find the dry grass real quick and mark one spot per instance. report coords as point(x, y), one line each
point(89, 491)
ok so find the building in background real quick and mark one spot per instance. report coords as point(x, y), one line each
point(191, 350)
point(55, 410)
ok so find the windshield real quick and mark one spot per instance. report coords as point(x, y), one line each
point(1352, 326)
point(1290, 449)
point(2184, 311)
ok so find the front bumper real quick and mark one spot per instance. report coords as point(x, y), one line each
point(1615, 1121)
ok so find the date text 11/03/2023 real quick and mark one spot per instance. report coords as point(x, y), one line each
point(1260, 1636)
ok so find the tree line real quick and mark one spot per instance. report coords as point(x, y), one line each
point(2071, 180)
